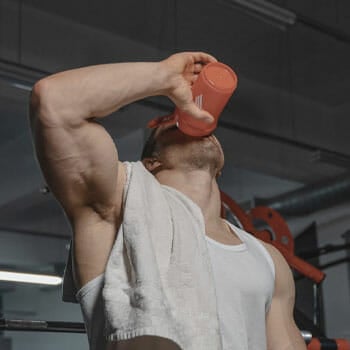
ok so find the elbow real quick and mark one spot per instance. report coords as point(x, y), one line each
point(53, 106)
point(35, 98)
point(41, 105)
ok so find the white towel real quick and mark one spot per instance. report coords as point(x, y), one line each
point(158, 279)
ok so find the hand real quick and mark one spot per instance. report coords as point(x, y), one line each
point(182, 71)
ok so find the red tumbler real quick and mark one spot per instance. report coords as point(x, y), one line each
point(211, 92)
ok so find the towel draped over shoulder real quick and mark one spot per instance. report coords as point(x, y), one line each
point(158, 279)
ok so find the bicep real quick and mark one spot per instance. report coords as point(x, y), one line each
point(282, 332)
point(79, 162)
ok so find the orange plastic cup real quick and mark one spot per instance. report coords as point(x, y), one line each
point(211, 92)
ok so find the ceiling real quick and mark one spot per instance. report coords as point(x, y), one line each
point(302, 60)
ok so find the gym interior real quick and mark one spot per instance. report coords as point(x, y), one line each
point(285, 134)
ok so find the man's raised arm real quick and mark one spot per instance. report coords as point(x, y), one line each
point(77, 156)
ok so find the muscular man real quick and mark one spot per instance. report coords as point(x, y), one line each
point(80, 163)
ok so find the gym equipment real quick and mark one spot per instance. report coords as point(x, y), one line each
point(41, 326)
point(328, 344)
point(277, 233)
point(76, 327)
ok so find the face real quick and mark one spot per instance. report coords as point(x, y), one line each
point(175, 150)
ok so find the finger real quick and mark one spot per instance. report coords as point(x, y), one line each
point(194, 77)
point(203, 57)
point(197, 67)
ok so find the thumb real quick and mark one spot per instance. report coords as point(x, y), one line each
point(197, 113)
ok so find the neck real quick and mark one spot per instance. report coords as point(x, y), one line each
point(200, 187)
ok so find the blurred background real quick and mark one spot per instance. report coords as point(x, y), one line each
point(285, 132)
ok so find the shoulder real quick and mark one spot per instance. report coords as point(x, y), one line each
point(284, 281)
point(263, 252)
point(276, 256)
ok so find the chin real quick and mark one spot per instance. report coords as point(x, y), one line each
point(191, 153)
point(203, 155)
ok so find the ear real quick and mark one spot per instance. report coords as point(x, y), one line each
point(151, 164)
point(218, 174)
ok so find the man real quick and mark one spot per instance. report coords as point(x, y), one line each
point(80, 163)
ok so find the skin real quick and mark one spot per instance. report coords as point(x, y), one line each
point(80, 163)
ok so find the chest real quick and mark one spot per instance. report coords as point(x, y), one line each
point(243, 272)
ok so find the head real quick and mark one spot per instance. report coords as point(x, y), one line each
point(168, 148)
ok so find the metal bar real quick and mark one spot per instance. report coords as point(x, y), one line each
point(307, 336)
point(317, 305)
point(334, 263)
point(327, 249)
point(65, 327)
point(42, 326)
point(78, 327)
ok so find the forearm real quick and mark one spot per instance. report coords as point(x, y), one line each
point(295, 345)
point(286, 341)
point(97, 91)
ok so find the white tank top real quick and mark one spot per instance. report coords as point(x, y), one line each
point(244, 282)
point(244, 277)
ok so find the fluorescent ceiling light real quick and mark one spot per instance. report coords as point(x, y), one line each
point(265, 11)
point(24, 87)
point(19, 76)
point(16, 82)
point(30, 278)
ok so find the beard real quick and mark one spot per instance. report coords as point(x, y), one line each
point(202, 155)
point(189, 153)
